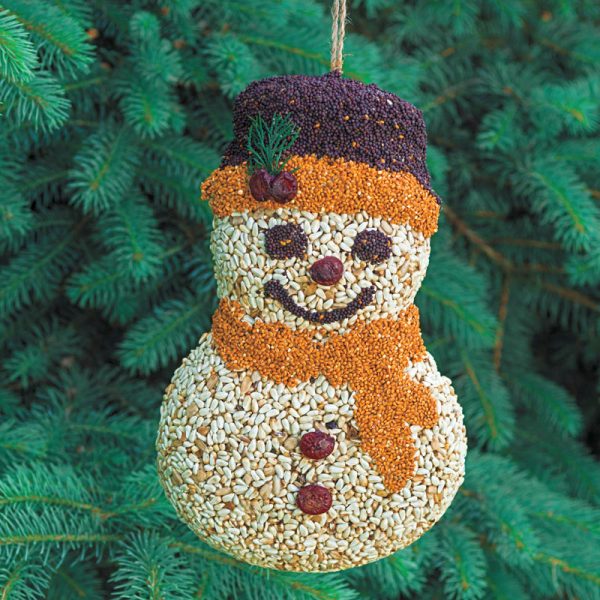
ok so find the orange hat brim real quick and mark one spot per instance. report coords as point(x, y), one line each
point(332, 185)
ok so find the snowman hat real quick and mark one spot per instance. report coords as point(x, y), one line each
point(358, 148)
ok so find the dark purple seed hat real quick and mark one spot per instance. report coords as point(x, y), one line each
point(339, 118)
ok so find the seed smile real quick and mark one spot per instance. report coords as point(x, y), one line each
point(274, 289)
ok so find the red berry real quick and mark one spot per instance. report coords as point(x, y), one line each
point(284, 187)
point(260, 185)
point(327, 271)
point(316, 444)
point(314, 499)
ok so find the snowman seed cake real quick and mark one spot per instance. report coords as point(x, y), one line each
point(310, 430)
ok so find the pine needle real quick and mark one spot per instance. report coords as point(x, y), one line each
point(269, 143)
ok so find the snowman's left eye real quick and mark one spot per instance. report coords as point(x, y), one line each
point(286, 241)
point(372, 246)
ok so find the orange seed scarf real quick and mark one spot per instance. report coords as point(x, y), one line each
point(371, 359)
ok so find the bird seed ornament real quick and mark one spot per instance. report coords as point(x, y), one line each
point(310, 429)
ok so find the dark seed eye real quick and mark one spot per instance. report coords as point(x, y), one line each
point(286, 241)
point(372, 246)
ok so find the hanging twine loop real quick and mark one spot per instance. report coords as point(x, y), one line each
point(338, 31)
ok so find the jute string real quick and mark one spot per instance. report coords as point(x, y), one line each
point(338, 30)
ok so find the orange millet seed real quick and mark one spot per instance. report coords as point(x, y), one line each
point(332, 185)
point(371, 359)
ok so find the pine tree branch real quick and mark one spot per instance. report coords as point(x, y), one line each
point(68, 502)
point(85, 83)
point(474, 238)
point(266, 43)
point(464, 571)
point(209, 555)
point(11, 582)
point(473, 322)
point(62, 38)
point(202, 588)
point(100, 512)
point(72, 583)
point(105, 430)
point(182, 156)
point(38, 105)
point(18, 57)
point(15, 288)
point(566, 567)
point(104, 169)
point(70, 538)
point(232, 562)
point(315, 56)
point(528, 243)
point(563, 199)
point(573, 296)
point(485, 401)
point(450, 93)
point(130, 508)
point(84, 123)
point(171, 327)
point(493, 254)
point(94, 184)
point(569, 460)
point(538, 268)
point(43, 32)
point(32, 183)
point(502, 314)
point(487, 214)
point(28, 91)
point(557, 518)
point(16, 447)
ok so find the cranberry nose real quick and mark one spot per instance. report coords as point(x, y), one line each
point(327, 271)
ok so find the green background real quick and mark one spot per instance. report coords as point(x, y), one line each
point(111, 115)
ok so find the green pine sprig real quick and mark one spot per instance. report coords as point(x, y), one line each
point(269, 143)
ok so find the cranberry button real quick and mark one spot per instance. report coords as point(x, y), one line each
point(314, 499)
point(316, 444)
point(327, 271)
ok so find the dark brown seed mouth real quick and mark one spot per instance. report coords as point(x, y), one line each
point(274, 289)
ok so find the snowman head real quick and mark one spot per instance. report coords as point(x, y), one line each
point(353, 242)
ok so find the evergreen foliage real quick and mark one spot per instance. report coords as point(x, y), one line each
point(269, 143)
point(112, 113)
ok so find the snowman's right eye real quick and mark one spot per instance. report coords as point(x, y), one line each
point(286, 241)
point(372, 246)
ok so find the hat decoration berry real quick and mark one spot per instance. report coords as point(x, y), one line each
point(311, 430)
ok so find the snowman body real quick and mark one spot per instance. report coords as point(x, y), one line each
point(230, 452)
point(229, 439)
